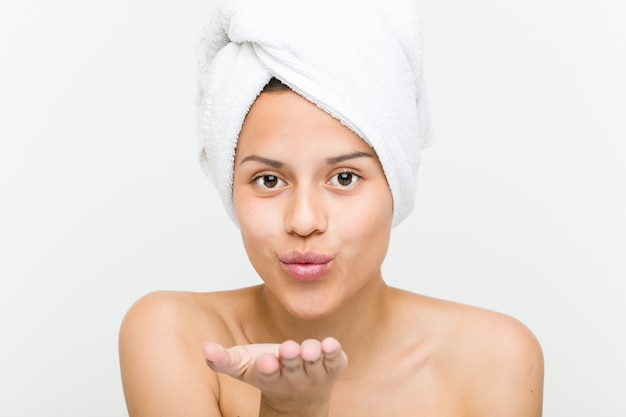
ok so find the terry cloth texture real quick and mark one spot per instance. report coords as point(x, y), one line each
point(359, 60)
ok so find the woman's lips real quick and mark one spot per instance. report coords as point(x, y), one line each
point(305, 266)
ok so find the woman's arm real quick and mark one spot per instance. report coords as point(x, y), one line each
point(509, 373)
point(162, 371)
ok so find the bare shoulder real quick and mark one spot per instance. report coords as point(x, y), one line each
point(176, 311)
point(507, 364)
point(496, 360)
point(160, 347)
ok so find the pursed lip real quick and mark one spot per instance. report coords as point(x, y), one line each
point(305, 266)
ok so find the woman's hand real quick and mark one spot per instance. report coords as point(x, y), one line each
point(291, 377)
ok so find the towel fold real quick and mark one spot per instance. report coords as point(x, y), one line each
point(359, 60)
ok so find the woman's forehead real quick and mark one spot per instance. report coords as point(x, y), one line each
point(285, 121)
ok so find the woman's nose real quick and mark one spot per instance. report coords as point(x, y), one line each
point(306, 212)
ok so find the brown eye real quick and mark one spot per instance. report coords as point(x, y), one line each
point(268, 181)
point(344, 179)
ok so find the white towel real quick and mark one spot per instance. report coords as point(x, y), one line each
point(359, 60)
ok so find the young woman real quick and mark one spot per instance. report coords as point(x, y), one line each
point(315, 195)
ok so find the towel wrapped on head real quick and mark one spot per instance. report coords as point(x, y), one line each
point(359, 60)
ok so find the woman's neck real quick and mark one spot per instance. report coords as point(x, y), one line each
point(359, 320)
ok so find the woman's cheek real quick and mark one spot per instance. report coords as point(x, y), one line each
point(365, 219)
point(258, 218)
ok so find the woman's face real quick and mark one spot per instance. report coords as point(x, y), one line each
point(313, 205)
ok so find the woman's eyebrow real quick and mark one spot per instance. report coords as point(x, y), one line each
point(266, 161)
point(341, 158)
point(330, 161)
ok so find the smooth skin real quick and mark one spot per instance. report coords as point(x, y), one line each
point(339, 342)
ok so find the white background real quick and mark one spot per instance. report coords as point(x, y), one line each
point(521, 207)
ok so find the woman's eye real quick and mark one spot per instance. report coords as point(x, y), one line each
point(268, 181)
point(344, 179)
